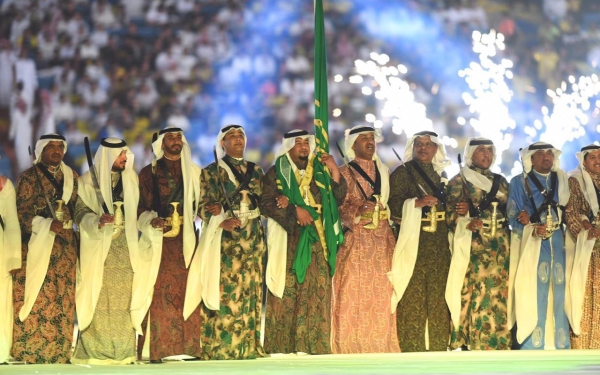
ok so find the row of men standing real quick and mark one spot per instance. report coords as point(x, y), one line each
point(155, 284)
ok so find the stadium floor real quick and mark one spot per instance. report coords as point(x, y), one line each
point(505, 362)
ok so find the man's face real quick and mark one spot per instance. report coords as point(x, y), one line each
point(364, 146)
point(120, 162)
point(591, 162)
point(301, 150)
point(234, 143)
point(53, 153)
point(172, 143)
point(483, 156)
point(542, 161)
point(424, 149)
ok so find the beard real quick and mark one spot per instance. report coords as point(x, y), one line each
point(118, 168)
point(302, 163)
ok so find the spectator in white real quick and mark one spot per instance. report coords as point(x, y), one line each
point(47, 45)
point(100, 120)
point(454, 15)
point(233, 15)
point(47, 5)
point(71, 25)
point(264, 64)
point(157, 16)
point(63, 111)
point(25, 71)
point(67, 49)
point(82, 34)
point(95, 70)
point(205, 49)
point(88, 50)
point(46, 123)
point(476, 16)
point(20, 126)
point(94, 95)
point(184, 6)
point(187, 61)
point(18, 25)
point(73, 136)
point(7, 60)
point(102, 14)
point(99, 36)
point(134, 8)
point(555, 10)
point(66, 79)
point(146, 97)
point(177, 46)
point(178, 119)
point(142, 153)
point(187, 36)
point(297, 64)
point(82, 111)
point(167, 64)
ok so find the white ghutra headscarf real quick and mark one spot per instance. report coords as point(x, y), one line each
point(191, 188)
point(440, 160)
point(384, 171)
point(477, 179)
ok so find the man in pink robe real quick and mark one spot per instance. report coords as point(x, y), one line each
point(361, 313)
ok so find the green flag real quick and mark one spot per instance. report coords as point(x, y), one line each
point(331, 217)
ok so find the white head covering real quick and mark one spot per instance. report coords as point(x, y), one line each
point(222, 133)
point(584, 178)
point(477, 179)
point(67, 172)
point(472, 145)
point(384, 171)
point(563, 179)
point(527, 152)
point(440, 160)
point(107, 153)
point(191, 186)
point(353, 134)
point(289, 140)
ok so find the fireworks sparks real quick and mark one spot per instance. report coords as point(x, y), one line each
point(569, 118)
point(490, 94)
point(396, 101)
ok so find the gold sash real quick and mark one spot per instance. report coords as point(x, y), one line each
point(309, 200)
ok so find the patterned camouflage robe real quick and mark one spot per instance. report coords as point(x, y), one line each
point(169, 333)
point(301, 320)
point(483, 317)
point(47, 333)
point(233, 332)
point(424, 299)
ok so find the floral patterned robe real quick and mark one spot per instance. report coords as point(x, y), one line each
point(46, 334)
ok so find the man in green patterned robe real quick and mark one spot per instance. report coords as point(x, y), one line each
point(298, 317)
point(477, 288)
point(422, 255)
point(231, 322)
